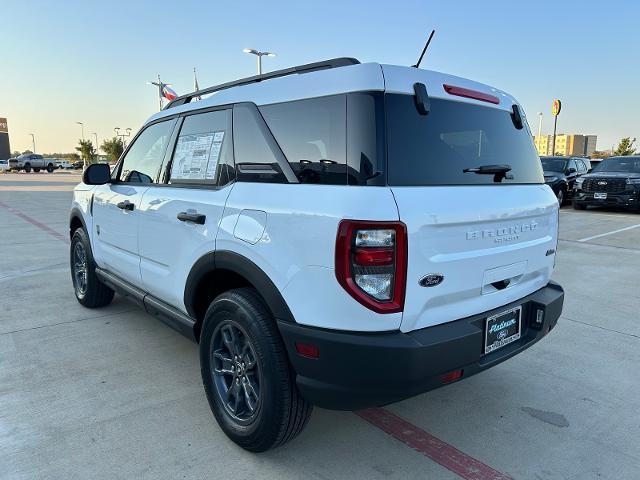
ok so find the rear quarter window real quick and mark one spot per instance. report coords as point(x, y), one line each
point(435, 149)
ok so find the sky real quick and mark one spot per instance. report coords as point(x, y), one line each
point(89, 61)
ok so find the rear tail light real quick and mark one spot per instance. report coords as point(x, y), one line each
point(468, 93)
point(371, 263)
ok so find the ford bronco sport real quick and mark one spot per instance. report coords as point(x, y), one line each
point(336, 234)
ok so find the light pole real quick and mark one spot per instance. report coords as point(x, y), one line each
point(96, 135)
point(81, 129)
point(33, 141)
point(539, 143)
point(259, 54)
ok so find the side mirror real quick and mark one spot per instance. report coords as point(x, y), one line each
point(572, 170)
point(97, 174)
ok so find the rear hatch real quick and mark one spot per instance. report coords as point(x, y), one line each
point(476, 241)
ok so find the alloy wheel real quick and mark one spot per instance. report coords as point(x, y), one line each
point(236, 372)
point(80, 268)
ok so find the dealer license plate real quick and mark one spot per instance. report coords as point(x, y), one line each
point(502, 329)
point(600, 196)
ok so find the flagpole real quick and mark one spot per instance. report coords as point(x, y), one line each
point(160, 91)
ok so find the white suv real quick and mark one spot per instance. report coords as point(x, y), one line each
point(335, 234)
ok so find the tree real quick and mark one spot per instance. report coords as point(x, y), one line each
point(27, 151)
point(625, 147)
point(15, 154)
point(600, 154)
point(87, 151)
point(113, 148)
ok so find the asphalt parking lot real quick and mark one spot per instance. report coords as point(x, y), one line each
point(113, 393)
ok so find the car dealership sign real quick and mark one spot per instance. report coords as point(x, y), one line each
point(3, 125)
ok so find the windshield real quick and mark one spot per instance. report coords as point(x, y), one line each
point(437, 148)
point(619, 164)
point(553, 164)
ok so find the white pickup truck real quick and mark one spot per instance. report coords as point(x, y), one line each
point(32, 161)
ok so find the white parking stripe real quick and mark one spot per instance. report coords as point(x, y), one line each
point(609, 233)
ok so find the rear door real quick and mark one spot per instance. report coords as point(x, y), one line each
point(487, 238)
point(180, 218)
point(116, 205)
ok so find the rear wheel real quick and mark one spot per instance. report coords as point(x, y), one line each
point(246, 373)
point(27, 167)
point(50, 168)
point(89, 290)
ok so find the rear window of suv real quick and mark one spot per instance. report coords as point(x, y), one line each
point(434, 149)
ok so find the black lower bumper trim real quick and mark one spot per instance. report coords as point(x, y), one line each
point(360, 370)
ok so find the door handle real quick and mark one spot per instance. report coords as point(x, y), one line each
point(126, 205)
point(198, 218)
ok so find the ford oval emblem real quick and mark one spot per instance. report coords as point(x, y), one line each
point(431, 280)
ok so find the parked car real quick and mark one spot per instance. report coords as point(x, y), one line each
point(336, 234)
point(614, 182)
point(32, 161)
point(4, 165)
point(560, 174)
point(64, 164)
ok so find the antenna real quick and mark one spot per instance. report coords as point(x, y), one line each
point(424, 50)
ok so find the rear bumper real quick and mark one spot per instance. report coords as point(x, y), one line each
point(628, 199)
point(360, 370)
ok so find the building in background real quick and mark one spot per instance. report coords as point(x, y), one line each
point(566, 144)
point(5, 148)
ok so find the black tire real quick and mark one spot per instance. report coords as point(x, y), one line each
point(561, 196)
point(27, 167)
point(279, 413)
point(36, 170)
point(579, 206)
point(89, 290)
point(50, 168)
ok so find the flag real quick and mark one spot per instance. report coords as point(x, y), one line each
point(168, 93)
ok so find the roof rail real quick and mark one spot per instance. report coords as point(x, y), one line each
point(309, 67)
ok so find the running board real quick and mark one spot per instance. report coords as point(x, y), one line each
point(166, 313)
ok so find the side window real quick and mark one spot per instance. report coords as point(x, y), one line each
point(365, 138)
point(204, 149)
point(312, 135)
point(255, 151)
point(572, 164)
point(143, 161)
point(581, 166)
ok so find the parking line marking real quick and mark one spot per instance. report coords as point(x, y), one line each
point(430, 446)
point(35, 222)
point(586, 239)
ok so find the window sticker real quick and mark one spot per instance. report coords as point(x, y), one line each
point(196, 156)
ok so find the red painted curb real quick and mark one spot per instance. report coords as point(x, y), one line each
point(437, 450)
point(35, 222)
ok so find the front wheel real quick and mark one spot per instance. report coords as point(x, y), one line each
point(36, 170)
point(560, 196)
point(50, 168)
point(89, 290)
point(246, 373)
point(27, 167)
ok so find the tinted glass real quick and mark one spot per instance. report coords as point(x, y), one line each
point(434, 149)
point(143, 161)
point(582, 168)
point(255, 150)
point(204, 149)
point(312, 135)
point(619, 164)
point(553, 164)
point(572, 164)
point(365, 139)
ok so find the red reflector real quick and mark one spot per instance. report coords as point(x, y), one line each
point(374, 256)
point(451, 376)
point(465, 92)
point(306, 350)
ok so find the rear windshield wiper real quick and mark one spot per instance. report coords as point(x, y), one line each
point(498, 171)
